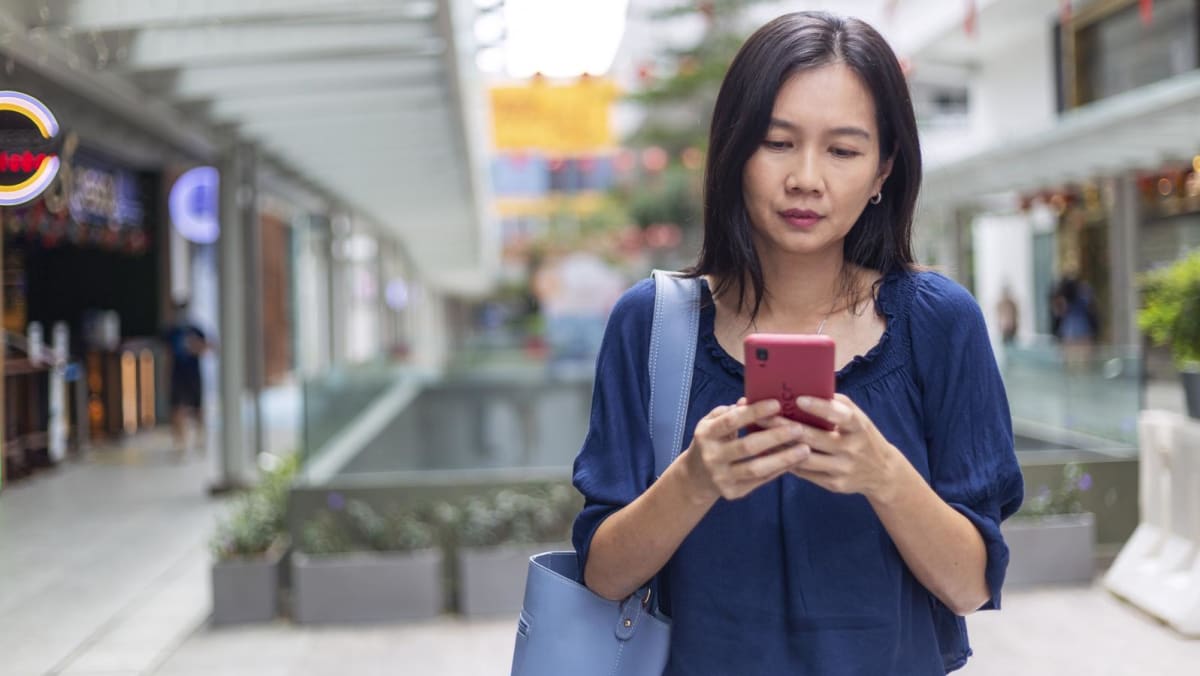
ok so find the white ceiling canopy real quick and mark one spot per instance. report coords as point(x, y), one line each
point(376, 102)
point(1136, 130)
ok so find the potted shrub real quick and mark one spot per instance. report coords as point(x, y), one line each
point(248, 548)
point(1170, 316)
point(1052, 539)
point(357, 564)
point(497, 533)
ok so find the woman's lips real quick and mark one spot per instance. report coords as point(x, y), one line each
point(803, 220)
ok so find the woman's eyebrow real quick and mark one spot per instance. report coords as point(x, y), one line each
point(836, 131)
point(850, 131)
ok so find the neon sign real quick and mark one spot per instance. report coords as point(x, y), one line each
point(193, 205)
point(28, 154)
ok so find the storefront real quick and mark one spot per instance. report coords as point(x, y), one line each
point(82, 257)
point(1098, 194)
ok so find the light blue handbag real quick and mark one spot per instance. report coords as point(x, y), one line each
point(564, 628)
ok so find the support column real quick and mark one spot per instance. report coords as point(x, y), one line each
point(1123, 226)
point(237, 197)
point(339, 298)
point(252, 294)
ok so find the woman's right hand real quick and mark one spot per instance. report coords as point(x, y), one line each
point(723, 465)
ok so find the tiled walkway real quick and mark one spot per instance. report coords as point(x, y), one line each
point(104, 571)
point(100, 560)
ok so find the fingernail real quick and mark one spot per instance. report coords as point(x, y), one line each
point(804, 401)
point(798, 431)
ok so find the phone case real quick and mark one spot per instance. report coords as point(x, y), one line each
point(785, 366)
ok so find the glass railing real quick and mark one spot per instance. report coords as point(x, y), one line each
point(1086, 400)
point(335, 399)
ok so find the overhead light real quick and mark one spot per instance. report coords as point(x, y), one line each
point(489, 28)
point(490, 60)
point(562, 38)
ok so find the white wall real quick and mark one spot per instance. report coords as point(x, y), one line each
point(1004, 257)
point(312, 300)
point(1013, 93)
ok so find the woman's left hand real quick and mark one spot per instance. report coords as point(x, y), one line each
point(852, 458)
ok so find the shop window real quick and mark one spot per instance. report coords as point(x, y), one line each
point(1110, 48)
point(939, 105)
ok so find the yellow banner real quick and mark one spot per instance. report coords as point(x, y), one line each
point(554, 118)
point(578, 204)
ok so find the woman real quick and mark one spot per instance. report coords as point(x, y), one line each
point(856, 551)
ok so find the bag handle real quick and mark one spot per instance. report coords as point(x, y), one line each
point(672, 359)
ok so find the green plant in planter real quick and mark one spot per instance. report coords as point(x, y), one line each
point(1066, 498)
point(1170, 315)
point(257, 521)
point(355, 526)
point(543, 514)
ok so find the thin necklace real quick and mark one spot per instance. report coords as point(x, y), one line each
point(821, 327)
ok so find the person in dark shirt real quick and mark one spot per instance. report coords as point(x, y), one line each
point(186, 343)
point(790, 549)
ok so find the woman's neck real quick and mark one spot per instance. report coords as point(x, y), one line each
point(801, 288)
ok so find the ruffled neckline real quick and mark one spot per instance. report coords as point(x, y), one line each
point(883, 354)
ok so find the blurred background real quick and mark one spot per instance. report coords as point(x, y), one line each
point(301, 300)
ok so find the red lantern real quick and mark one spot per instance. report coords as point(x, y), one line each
point(655, 159)
point(1146, 10)
point(645, 72)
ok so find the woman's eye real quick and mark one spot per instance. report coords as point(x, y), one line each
point(844, 153)
point(776, 145)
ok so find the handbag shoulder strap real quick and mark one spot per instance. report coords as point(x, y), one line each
point(672, 358)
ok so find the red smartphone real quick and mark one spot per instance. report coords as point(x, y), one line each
point(785, 366)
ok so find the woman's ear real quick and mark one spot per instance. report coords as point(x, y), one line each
point(885, 170)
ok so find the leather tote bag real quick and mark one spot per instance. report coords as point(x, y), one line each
point(565, 629)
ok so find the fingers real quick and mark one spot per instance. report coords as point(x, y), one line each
point(822, 463)
point(737, 417)
point(776, 421)
point(826, 481)
point(716, 412)
point(840, 410)
point(767, 468)
point(757, 443)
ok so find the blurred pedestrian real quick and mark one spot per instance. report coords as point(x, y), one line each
point(1075, 323)
point(790, 549)
point(1007, 316)
point(186, 343)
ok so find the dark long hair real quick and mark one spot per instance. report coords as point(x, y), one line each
point(881, 239)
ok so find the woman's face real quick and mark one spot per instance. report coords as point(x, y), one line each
point(810, 178)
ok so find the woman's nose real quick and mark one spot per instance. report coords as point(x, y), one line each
point(804, 175)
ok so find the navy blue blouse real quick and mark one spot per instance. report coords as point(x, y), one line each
point(793, 579)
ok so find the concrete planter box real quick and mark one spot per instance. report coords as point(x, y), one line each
point(491, 580)
point(366, 587)
point(1056, 549)
point(246, 590)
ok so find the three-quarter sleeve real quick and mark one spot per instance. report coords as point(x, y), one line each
point(967, 424)
point(616, 463)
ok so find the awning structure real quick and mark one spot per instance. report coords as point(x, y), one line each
point(374, 103)
point(1141, 129)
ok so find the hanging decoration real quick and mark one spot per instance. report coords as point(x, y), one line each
point(1146, 10)
point(971, 19)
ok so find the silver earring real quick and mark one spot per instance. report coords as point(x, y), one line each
point(877, 198)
